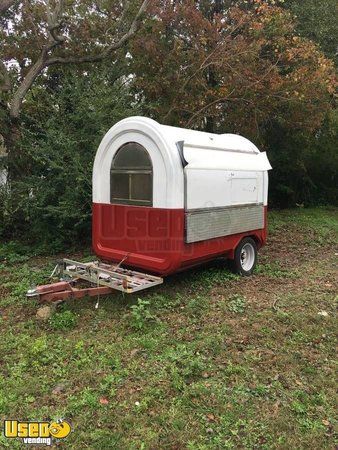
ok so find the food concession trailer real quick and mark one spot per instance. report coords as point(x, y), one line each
point(166, 199)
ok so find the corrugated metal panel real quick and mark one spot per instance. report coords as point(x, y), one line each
point(209, 223)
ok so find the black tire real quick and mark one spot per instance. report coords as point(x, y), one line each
point(248, 247)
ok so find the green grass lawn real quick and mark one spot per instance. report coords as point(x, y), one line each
point(208, 360)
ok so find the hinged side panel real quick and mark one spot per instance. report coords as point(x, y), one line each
point(209, 223)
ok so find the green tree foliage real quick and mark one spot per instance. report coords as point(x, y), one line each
point(317, 20)
point(65, 118)
point(305, 164)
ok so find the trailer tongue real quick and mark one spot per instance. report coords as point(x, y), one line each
point(94, 278)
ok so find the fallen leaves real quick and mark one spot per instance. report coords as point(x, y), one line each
point(211, 417)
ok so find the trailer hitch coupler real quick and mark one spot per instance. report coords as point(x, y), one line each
point(32, 293)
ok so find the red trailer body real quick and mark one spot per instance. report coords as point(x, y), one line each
point(153, 239)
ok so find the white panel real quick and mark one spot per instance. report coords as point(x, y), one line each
point(207, 189)
point(260, 187)
point(265, 188)
point(218, 188)
point(244, 188)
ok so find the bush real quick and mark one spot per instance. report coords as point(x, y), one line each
point(50, 198)
point(140, 314)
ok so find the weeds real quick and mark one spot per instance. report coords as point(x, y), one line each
point(275, 270)
point(64, 320)
point(206, 278)
point(140, 314)
point(237, 304)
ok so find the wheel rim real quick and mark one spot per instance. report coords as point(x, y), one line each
point(247, 257)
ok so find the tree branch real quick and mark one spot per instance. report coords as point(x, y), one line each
point(209, 105)
point(54, 20)
point(5, 82)
point(6, 4)
point(24, 87)
point(107, 51)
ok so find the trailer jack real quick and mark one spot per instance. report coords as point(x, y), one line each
point(91, 279)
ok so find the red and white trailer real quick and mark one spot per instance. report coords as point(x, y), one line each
point(166, 199)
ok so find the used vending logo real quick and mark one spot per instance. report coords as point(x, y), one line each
point(36, 432)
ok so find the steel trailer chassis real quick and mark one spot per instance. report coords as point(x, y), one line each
point(77, 280)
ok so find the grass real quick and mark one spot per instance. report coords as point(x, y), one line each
point(208, 360)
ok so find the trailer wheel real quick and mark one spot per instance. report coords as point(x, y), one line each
point(245, 259)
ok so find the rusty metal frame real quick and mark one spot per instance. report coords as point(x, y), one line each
point(63, 290)
point(100, 279)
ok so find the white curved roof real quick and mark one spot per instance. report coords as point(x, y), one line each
point(204, 150)
point(201, 150)
point(202, 139)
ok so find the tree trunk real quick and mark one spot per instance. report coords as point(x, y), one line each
point(209, 119)
point(25, 86)
point(11, 136)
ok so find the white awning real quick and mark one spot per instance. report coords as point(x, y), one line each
point(227, 159)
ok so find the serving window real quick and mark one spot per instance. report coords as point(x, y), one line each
point(131, 176)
